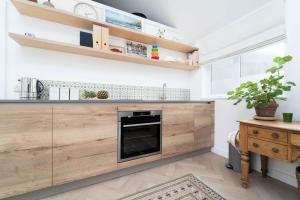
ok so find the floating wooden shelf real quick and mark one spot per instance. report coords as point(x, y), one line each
point(32, 9)
point(87, 51)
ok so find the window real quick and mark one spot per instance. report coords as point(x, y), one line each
point(226, 74)
point(254, 64)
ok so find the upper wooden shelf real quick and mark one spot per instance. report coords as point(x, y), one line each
point(87, 51)
point(32, 9)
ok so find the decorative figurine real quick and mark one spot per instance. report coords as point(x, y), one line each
point(49, 4)
point(154, 52)
point(161, 33)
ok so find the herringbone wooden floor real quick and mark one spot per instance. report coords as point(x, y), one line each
point(207, 167)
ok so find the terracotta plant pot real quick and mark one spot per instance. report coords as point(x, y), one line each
point(267, 112)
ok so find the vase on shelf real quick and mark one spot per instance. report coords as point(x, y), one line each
point(49, 4)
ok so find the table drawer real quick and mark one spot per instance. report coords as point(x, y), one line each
point(268, 134)
point(269, 149)
point(295, 139)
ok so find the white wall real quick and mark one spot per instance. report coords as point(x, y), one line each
point(2, 47)
point(226, 117)
point(50, 65)
point(237, 36)
point(293, 69)
point(198, 80)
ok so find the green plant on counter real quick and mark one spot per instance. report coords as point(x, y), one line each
point(103, 94)
point(267, 90)
point(89, 94)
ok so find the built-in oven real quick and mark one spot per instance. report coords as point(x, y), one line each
point(139, 134)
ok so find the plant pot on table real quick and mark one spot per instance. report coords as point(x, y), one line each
point(268, 111)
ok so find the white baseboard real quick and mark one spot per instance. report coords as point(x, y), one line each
point(220, 152)
point(282, 176)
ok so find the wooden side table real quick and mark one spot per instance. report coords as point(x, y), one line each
point(270, 139)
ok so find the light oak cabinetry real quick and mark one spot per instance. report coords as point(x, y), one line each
point(204, 117)
point(47, 145)
point(186, 128)
point(84, 141)
point(25, 148)
point(178, 129)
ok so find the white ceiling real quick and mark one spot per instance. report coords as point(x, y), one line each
point(193, 18)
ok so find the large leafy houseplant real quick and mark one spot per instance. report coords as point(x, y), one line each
point(263, 95)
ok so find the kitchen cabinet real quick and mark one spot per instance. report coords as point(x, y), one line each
point(25, 148)
point(46, 145)
point(204, 116)
point(84, 141)
point(178, 129)
point(187, 128)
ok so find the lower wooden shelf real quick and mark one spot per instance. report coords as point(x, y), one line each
point(87, 51)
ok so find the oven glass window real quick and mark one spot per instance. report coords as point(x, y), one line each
point(140, 140)
point(140, 137)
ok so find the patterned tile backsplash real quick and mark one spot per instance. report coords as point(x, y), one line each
point(121, 92)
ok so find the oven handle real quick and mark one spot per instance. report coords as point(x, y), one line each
point(142, 124)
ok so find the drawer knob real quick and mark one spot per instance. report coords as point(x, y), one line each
point(255, 145)
point(275, 150)
point(255, 132)
point(275, 135)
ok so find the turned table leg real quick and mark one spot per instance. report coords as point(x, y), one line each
point(264, 165)
point(245, 169)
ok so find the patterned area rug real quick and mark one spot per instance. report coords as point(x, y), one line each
point(185, 188)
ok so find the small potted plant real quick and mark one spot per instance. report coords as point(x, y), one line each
point(103, 94)
point(263, 95)
point(88, 94)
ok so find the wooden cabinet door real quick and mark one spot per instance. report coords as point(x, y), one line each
point(204, 125)
point(178, 129)
point(187, 128)
point(25, 148)
point(84, 140)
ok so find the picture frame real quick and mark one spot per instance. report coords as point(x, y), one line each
point(136, 48)
point(123, 20)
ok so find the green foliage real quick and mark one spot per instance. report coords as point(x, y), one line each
point(89, 94)
point(266, 90)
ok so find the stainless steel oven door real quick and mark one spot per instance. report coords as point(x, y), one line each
point(139, 137)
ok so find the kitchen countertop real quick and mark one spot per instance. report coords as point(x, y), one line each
point(105, 101)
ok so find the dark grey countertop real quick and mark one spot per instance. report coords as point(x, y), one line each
point(103, 101)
